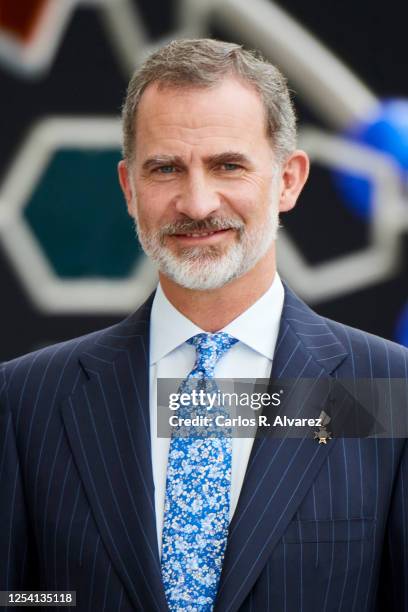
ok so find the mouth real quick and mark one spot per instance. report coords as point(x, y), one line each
point(199, 237)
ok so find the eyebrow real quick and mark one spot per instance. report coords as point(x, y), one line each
point(211, 160)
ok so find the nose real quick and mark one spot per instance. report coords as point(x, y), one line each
point(198, 198)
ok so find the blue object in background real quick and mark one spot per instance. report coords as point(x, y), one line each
point(387, 131)
point(402, 327)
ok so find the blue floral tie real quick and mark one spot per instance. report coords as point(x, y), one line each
point(196, 510)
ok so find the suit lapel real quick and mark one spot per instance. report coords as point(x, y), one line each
point(107, 423)
point(280, 471)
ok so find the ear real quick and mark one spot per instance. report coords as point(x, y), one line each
point(294, 175)
point(125, 183)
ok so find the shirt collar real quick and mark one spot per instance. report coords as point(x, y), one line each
point(168, 327)
point(257, 327)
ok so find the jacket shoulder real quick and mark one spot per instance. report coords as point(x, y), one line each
point(54, 371)
point(55, 365)
point(371, 355)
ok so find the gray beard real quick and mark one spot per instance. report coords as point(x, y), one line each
point(204, 267)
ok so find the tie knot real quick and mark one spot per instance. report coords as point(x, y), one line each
point(209, 349)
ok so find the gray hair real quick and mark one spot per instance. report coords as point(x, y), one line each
point(203, 62)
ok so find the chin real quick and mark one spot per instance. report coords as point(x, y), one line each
point(203, 273)
point(199, 280)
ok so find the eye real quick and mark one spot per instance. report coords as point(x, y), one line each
point(165, 169)
point(230, 167)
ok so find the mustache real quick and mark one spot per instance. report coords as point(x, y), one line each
point(210, 224)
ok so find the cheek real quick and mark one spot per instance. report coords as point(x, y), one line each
point(253, 190)
point(247, 200)
point(151, 206)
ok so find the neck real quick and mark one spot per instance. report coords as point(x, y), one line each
point(212, 310)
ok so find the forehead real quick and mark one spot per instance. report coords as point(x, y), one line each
point(196, 116)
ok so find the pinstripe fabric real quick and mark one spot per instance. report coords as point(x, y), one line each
point(316, 527)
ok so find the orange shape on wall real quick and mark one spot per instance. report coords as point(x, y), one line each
point(20, 18)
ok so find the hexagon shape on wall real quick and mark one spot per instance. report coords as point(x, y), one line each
point(389, 220)
point(63, 221)
point(77, 214)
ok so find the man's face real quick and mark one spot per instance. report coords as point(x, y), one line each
point(204, 186)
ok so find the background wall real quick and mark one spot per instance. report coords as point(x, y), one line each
point(69, 262)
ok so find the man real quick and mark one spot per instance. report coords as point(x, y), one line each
point(92, 500)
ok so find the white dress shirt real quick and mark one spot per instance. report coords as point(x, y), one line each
point(170, 357)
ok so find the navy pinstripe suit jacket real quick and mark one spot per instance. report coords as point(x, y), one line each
point(316, 528)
